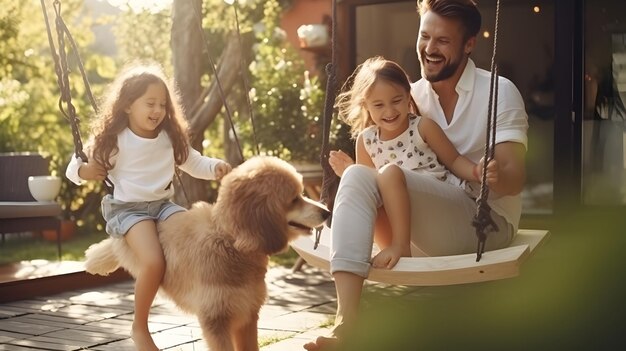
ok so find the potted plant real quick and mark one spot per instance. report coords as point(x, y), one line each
point(80, 208)
point(68, 216)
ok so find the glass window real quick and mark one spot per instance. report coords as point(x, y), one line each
point(604, 129)
point(526, 57)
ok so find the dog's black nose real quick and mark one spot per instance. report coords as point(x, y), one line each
point(325, 214)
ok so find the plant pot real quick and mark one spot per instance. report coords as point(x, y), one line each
point(68, 228)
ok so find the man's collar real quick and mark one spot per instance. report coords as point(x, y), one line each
point(466, 82)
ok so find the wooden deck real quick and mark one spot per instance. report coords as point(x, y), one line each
point(29, 279)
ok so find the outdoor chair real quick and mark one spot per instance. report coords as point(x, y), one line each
point(19, 211)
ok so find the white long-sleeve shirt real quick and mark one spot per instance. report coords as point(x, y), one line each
point(144, 168)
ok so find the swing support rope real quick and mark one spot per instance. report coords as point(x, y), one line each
point(482, 220)
point(330, 181)
point(62, 71)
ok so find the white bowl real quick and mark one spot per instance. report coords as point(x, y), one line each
point(44, 188)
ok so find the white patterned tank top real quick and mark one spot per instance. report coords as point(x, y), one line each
point(408, 151)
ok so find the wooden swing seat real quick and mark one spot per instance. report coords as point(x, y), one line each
point(440, 270)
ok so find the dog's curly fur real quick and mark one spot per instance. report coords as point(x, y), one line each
point(217, 254)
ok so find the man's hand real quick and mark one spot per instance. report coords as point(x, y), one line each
point(92, 170)
point(492, 172)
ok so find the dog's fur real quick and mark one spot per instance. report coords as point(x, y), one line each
point(217, 254)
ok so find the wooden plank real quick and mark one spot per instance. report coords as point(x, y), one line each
point(441, 270)
point(30, 288)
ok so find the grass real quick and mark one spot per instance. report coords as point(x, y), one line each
point(25, 248)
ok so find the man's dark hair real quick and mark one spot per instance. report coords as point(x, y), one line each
point(465, 11)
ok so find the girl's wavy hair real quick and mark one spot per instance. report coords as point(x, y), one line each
point(350, 103)
point(130, 85)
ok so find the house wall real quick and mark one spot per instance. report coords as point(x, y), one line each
point(305, 12)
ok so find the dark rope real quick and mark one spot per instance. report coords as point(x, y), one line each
point(330, 180)
point(244, 78)
point(62, 72)
point(482, 220)
point(217, 79)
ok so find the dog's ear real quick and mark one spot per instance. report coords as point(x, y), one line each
point(251, 211)
point(267, 221)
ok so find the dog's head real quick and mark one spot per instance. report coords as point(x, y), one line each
point(260, 203)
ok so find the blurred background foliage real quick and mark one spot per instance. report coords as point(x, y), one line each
point(286, 102)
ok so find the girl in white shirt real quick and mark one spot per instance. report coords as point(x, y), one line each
point(139, 138)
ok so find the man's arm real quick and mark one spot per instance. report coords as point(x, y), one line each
point(510, 157)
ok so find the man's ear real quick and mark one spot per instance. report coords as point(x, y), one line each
point(469, 45)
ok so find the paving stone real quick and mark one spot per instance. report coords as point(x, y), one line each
point(297, 321)
point(7, 347)
point(100, 319)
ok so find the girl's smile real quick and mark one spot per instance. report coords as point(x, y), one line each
point(388, 107)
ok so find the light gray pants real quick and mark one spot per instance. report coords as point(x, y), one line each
point(441, 219)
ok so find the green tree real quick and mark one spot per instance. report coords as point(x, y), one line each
point(29, 115)
point(287, 102)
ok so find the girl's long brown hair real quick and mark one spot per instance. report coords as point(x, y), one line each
point(130, 85)
point(351, 101)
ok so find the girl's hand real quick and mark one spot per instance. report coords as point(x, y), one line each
point(339, 161)
point(92, 170)
point(492, 171)
point(222, 169)
point(388, 257)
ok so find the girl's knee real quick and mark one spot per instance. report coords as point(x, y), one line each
point(390, 173)
point(154, 262)
point(359, 177)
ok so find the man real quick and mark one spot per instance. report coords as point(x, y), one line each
point(455, 94)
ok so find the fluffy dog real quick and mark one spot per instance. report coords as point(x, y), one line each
point(217, 254)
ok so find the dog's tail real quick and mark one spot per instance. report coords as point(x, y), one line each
point(100, 258)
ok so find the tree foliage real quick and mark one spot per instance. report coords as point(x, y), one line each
point(285, 102)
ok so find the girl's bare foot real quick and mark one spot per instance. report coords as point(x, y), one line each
point(329, 342)
point(142, 339)
point(322, 343)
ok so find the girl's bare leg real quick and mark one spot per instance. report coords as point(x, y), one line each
point(144, 241)
point(382, 229)
point(393, 190)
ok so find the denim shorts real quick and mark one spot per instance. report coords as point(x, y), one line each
point(120, 216)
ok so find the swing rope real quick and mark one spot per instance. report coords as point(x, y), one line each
point(244, 78)
point(330, 181)
point(482, 219)
point(62, 71)
point(217, 78)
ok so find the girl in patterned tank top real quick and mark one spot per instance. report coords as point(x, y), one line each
point(392, 138)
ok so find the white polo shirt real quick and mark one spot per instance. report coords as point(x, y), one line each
point(468, 127)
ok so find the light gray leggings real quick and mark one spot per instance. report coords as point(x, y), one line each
point(441, 219)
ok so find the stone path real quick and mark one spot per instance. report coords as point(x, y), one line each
point(301, 305)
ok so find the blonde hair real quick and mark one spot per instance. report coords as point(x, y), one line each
point(350, 102)
point(112, 118)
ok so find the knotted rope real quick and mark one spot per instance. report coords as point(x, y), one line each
point(482, 220)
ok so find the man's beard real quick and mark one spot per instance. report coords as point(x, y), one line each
point(446, 72)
